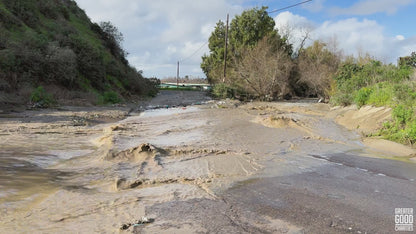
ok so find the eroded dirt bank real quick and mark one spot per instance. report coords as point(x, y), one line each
point(220, 167)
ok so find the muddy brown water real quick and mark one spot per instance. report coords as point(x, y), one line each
point(220, 167)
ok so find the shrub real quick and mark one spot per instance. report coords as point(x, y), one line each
point(403, 127)
point(382, 95)
point(405, 93)
point(342, 99)
point(402, 114)
point(362, 96)
point(411, 132)
point(61, 65)
point(111, 97)
point(89, 61)
point(41, 98)
point(48, 9)
point(223, 91)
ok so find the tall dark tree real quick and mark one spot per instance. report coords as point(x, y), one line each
point(250, 27)
point(212, 63)
point(245, 31)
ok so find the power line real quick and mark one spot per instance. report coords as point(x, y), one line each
point(284, 8)
point(196, 51)
point(190, 56)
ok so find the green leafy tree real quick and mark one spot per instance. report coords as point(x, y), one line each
point(113, 38)
point(245, 31)
point(250, 27)
point(212, 63)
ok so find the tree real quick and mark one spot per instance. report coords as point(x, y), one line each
point(212, 64)
point(263, 72)
point(317, 65)
point(246, 30)
point(112, 32)
point(113, 38)
point(250, 27)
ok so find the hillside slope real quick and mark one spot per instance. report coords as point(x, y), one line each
point(53, 43)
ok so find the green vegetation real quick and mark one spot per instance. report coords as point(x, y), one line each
point(262, 64)
point(224, 91)
point(251, 35)
point(369, 82)
point(111, 97)
point(54, 44)
point(40, 98)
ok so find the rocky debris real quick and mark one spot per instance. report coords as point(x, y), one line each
point(79, 121)
point(145, 148)
point(225, 104)
point(141, 221)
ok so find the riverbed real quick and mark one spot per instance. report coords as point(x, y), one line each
point(183, 163)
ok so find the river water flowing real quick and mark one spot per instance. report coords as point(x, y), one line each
point(222, 167)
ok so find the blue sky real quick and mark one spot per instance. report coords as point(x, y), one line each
point(397, 22)
point(158, 33)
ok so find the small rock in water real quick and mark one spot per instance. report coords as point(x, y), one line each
point(125, 226)
point(145, 147)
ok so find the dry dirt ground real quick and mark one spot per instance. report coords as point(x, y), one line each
point(167, 166)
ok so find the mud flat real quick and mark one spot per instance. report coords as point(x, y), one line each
point(215, 167)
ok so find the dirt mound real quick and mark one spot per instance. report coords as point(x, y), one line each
point(277, 121)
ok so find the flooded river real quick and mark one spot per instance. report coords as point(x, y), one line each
point(215, 167)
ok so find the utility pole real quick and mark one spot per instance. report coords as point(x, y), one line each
point(225, 51)
point(177, 77)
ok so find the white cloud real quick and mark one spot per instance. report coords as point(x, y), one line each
point(314, 6)
point(294, 27)
point(400, 37)
point(406, 46)
point(368, 7)
point(353, 36)
point(158, 33)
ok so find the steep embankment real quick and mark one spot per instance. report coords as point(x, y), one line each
point(53, 43)
point(369, 120)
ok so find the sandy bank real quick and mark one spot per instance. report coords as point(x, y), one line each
point(366, 121)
